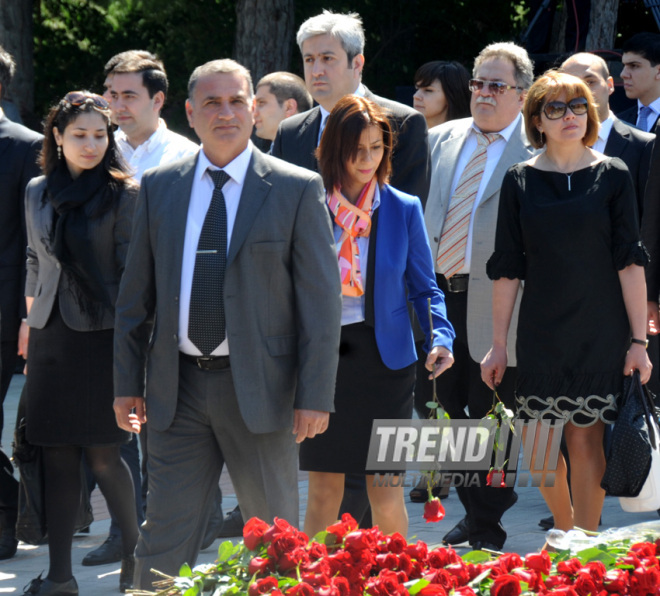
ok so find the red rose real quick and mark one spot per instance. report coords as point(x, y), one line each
point(301, 589)
point(555, 581)
point(539, 562)
point(317, 550)
point(442, 577)
point(506, 585)
point(253, 532)
point(343, 527)
point(644, 581)
point(439, 557)
point(262, 586)
point(509, 561)
point(459, 571)
point(395, 543)
point(292, 559)
point(596, 570)
point(342, 585)
point(432, 590)
point(570, 567)
point(433, 510)
point(418, 551)
point(358, 540)
point(260, 565)
point(643, 549)
point(386, 583)
point(584, 584)
point(616, 580)
point(529, 576)
point(387, 561)
point(280, 526)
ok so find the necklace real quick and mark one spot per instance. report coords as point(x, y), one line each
point(568, 175)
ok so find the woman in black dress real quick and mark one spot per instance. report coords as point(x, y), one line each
point(384, 260)
point(568, 226)
point(78, 222)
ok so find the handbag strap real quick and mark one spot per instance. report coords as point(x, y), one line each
point(649, 408)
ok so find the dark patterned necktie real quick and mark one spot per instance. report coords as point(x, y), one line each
point(206, 322)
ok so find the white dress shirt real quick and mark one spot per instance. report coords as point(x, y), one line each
point(493, 153)
point(164, 146)
point(653, 116)
point(200, 200)
point(352, 307)
point(604, 134)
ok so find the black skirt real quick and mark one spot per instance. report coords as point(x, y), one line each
point(69, 386)
point(366, 389)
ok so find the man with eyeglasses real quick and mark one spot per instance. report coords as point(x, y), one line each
point(469, 158)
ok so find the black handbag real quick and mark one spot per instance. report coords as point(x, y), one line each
point(632, 442)
point(31, 524)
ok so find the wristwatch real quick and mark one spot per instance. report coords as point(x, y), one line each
point(641, 342)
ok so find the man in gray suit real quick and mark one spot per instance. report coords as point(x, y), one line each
point(502, 74)
point(231, 301)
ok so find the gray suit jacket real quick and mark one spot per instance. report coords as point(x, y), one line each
point(446, 142)
point(109, 237)
point(282, 295)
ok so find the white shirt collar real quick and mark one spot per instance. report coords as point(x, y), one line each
point(150, 144)
point(2, 113)
point(606, 128)
point(506, 132)
point(654, 105)
point(236, 169)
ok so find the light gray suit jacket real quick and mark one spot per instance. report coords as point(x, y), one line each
point(282, 295)
point(446, 142)
point(109, 237)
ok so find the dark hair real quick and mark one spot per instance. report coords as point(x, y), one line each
point(547, 88)
point(7, 70)
point(153, 73)
point(61, 116)
point(647, 45)
point(111, 64)
point(285, 85)
point(454, 79)
point(341, 137)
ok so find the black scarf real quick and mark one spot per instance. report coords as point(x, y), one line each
point(69, 235)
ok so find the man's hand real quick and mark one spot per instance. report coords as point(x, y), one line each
point(438, 361)
point(126, 418)
point(23, 337)
point(309, 423)
point(652, 318)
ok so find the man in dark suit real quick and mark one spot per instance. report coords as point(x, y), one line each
point(641, 80)
point(230, 301)
point(332, 46)
point(651, 237)
point(19, 148)
point(615, 138)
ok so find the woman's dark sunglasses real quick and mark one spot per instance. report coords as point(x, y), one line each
point(78, 98)
point(554, 110)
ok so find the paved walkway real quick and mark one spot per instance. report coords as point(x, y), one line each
point(520, 522)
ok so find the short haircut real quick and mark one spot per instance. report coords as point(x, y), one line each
point(592, 59)
point(129, 55)
point(224, 66)
point(549, 87)
point(347, 28)
point(152, 71)
point(454, 79)
point(7, 70)
point(341, 137)
point(647, 45)
point(285, 85)
point(506, 50)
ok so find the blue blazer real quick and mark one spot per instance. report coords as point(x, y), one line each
point(404, 267)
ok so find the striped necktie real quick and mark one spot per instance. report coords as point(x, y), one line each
point(453, 241)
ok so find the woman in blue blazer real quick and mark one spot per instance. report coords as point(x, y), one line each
point(385, 261)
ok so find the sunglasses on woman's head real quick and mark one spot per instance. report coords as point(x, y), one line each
point(78, 98)
point(554, 110)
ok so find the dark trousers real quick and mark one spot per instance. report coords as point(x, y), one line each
point(461, 388)
point(9, 359)
point(8, 484)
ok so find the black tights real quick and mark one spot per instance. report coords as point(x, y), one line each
point(62, 492)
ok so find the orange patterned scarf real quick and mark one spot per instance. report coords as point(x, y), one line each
point(355, 221)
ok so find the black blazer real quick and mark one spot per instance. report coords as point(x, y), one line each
point(19, 148)
point(651, 223)
point(630, 116)
point(633, 147)
point(297, 139)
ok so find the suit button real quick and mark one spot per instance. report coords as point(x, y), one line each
point(176, 298)
point(58, 265)
point(435, 239)
point(175, 338)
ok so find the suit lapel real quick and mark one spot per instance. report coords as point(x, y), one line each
point(307, 137)
point(616, 140)
point(255, 189)
point(5, 139)
point(516, 150)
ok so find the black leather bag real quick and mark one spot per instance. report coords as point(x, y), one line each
point(31, 525)
point(633, 438)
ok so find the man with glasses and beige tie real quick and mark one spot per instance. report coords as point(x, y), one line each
point(469, 159)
